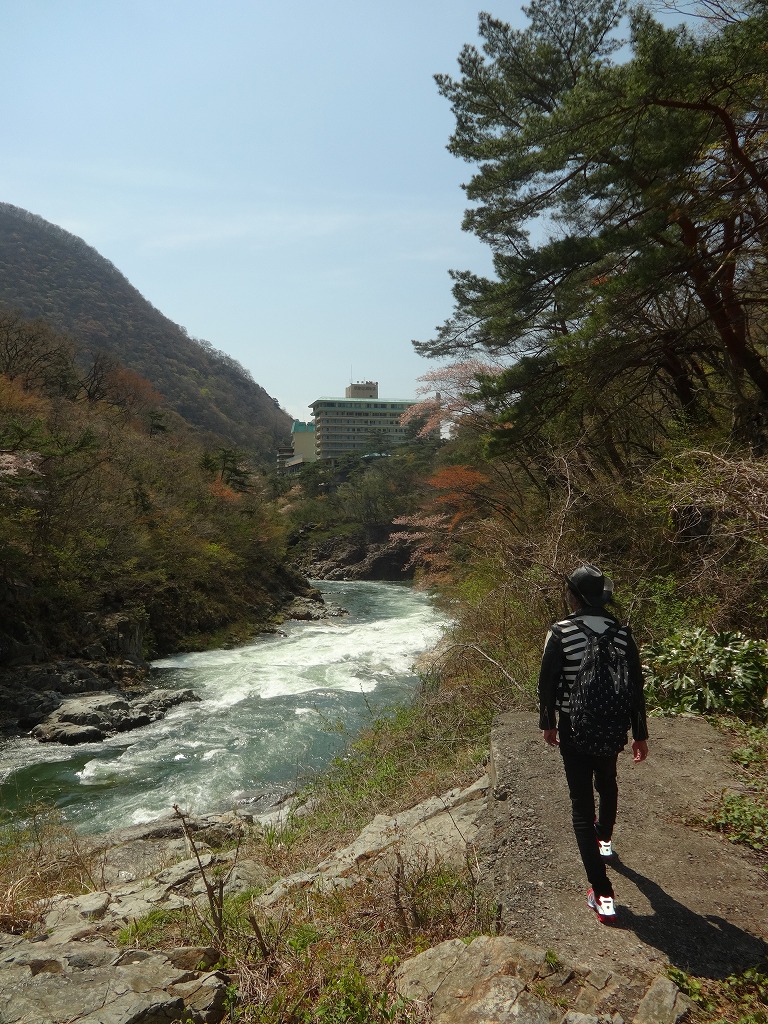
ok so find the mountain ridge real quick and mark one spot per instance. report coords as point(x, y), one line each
point(48, 273)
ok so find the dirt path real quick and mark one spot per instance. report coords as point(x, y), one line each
point(684, 896)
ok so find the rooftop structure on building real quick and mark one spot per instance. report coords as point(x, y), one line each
point(359, 422)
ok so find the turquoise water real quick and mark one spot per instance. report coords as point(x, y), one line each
point(271, 713)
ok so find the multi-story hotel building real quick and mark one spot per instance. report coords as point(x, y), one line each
point(360, 421)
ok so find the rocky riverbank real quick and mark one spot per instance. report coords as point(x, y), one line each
point(106, 688)
point(37, 686)
point(681, 894)
point(387, 560)
point(78, 950)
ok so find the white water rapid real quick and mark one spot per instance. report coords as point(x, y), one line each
point(270, 713)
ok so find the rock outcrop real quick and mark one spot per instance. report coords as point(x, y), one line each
point(94, 983)
point(29, 694)
point(73, 971)
point(384, 561)
point(441, 827)
point(34, 688)
point(501, 980)
point(115, 636)
point(92, 718)
point(311, 609)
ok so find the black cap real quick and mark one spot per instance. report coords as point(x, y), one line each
point(590, 585)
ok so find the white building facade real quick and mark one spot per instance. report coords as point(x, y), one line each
point(359, 422)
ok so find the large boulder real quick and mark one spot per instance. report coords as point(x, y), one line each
point(30, 693)
point(91, 718)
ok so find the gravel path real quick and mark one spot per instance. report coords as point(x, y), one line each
point(684, 896)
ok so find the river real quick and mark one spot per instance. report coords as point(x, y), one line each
point(271, 713)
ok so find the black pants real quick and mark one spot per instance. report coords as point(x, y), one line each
point(585, 774)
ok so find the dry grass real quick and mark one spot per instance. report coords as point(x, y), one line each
point(40, 857)
point(360, 934)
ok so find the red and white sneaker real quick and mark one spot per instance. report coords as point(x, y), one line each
point(603, 906)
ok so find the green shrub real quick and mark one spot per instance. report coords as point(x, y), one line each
point(753, 756)
point(744, 819)
point(741, 998)
point(703, 672)
point(665, 609)
point(749, 991)
point(350, 999)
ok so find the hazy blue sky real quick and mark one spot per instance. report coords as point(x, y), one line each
point(270, 175)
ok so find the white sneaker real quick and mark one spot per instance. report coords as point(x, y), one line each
point(605, 846)
point(603, 906)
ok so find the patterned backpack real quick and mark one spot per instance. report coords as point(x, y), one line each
point(601, 699)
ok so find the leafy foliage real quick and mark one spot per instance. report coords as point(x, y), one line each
point(607, 391)
point(744, 819)
point(703, 672)
point(362, 499)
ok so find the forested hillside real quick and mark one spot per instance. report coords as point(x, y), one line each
point(110, 502)
point(48, 273)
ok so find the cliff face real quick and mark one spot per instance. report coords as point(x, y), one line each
point(358, 559)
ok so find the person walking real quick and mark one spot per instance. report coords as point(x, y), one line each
point(568, 640)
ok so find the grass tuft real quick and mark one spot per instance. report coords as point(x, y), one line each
point(40, 857)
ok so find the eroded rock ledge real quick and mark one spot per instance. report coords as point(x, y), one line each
point(84, 699)
point(388, 560)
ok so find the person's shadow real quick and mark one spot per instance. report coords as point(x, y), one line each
point(707, 946)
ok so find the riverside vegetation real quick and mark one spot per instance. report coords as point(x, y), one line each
point(111, 502)
point(607, 392)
